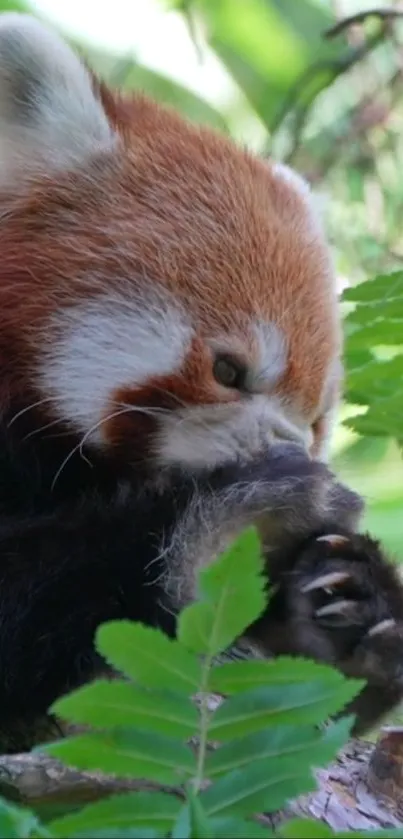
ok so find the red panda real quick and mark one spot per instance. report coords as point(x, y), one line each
point(170, 351)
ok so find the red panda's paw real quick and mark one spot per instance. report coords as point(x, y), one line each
point(286, 493)
point(345, 601)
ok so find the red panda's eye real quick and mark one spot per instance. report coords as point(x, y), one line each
point(229, 372)
point(318, 431)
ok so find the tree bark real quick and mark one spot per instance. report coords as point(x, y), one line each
point(353, 793)
point(361, 790)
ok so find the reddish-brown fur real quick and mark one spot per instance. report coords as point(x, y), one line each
point(181, 207)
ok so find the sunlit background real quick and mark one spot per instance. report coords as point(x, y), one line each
point(333, 107)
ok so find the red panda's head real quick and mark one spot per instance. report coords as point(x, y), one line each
point(161, 290)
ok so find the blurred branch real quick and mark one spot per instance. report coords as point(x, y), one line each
point(334, 68)
point(368, 114)
point(301, 98)
point(385, 14)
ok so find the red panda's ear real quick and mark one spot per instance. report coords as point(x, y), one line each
point(50, 114)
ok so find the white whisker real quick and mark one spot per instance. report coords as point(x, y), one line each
point(79, 446)
point(42, 428)
point(30, 408)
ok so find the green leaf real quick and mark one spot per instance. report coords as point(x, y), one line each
point(376, 333)
point(114, 703)
point(232, 827)
point(235, 676)
point(383, 417)
point(148, 656)
point(123, 833)
point(380, 290)
point(378, 315)
point(241, 564)
point(144, 809)
point(376, 380)
point(301, 828)
point(233, 592)
point(257, 786)
point(181, 828)
point(275, 743)
point(307, 828)
point(257, 789)
point(273, 705)
point(376, 323)
point(199, 823)
point(127, 752)
point(19, 822)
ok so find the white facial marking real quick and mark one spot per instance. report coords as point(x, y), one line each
point(104, 344)
point(209, 435)
point(314, 201)
point(49, 114)
point(291, 177)
point(330, 405)
point(272, 354)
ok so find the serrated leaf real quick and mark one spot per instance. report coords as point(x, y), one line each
point(181, 828)
point(122, 833)
point(149, 657)
point(307, 828)
point(241, 563)
point(19, 822)
point(231, 827)
point(385, 287)
point(235, 676)
point(144, 809)
point(234, 595)
point(200, 827)
point(380, 419)
point(107, 704)
point(301, 828)
point(387, 332)
point(276, 743)
point(267, 784)
point(258, 789)
point(293, 704)
point(366, 313)
point(389, 833)
point(377, 379)
point(126, 752)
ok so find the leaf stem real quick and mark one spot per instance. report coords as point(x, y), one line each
point(204, 724)
point(204, 709)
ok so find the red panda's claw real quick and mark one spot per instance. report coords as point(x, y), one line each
point(334, 539)
point(340, 613)
point(326, 581)
point(381, 627)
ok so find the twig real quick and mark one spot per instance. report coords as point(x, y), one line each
point(385, 14)
point(341, 142)
point(335, 67)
